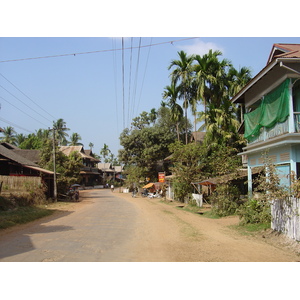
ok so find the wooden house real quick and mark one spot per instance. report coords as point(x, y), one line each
point(90, 173)
point(271, 102)
point(23, 163)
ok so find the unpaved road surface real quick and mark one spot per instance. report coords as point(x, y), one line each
point(114, 227)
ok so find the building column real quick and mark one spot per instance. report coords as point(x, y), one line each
point(249, 181)
point(291, 107)
point(293, 160)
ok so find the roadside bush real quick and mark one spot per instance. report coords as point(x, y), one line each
point(5, 204)
point(268, 189)
point(224, 200)
point(255, 211)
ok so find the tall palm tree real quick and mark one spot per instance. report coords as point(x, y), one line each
point(238, 79)
point(20, 138)
point(172, 93)
point(105, 151)
point(153, 115)
point(91, 145)
point(211, 74)
point(9, 135)
point(74, 140)
point(61, 131)
point(183, 73)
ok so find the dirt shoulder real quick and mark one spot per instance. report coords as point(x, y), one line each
point(168, 233)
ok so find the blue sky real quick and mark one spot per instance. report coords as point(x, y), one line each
point(86, 90)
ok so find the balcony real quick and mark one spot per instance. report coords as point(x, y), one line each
point(278, 129)
point(89, 169)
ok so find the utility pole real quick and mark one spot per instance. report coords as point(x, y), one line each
point(54, 167)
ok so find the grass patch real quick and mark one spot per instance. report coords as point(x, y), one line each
point(249, 229)
point(209, 214)
point(22, 215)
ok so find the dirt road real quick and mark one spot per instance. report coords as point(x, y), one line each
point(107, 226)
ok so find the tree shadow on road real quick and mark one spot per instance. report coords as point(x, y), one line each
point(16, 240)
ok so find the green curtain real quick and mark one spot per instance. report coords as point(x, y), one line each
point(273, 109)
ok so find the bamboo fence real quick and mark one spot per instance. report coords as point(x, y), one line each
point(18, 184)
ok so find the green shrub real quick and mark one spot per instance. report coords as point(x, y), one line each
point(255, 211)
point(225, 200)
point(6, 204)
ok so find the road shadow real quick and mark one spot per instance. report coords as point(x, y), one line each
point(17, 240)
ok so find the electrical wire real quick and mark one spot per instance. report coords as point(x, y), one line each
point(19, 108)
point(28, 98)
point(123, 82)
point(129, 83)
point(116, 82)
point(97, 51)
point(136, 77)
point(15, 125)
point(144, 77)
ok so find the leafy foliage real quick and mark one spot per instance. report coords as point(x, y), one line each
point(67, 167)
point(225, 200)
point(147, 142)
point(186, 167)
point(268, 188)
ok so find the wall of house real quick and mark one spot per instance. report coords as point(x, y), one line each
point(282, 157)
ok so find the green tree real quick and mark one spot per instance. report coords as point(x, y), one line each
point(67, 167)
point(61, 131)
point(9, 135)
point(186, 160)
point(74, 139)
point(182, 73)
point(20, 138)
point(105, 152)
point(145, 146)
point(91, 145)
point(31, 142)
point(171, 93)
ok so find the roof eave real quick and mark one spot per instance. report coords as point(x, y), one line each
point(261, 74)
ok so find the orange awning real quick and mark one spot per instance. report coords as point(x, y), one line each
point(149, 185)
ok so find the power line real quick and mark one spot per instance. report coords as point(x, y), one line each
point(28, 98)
point(129, 82)
point(24, 104)
point(116, 82)
point(97, 51)
point(15, 125)
point(144, 77)
point(136, 76)
point(123, 76)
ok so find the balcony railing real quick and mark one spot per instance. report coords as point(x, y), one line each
point(278, 129)
point(89, 169)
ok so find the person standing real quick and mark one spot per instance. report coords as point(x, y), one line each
point(112, 187)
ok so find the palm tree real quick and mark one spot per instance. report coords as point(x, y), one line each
point(60, 128)
point(20, 138)
point(183, 73)
point(172, 93)
point(91, 145)
point(153, 115)
point(9, 135)
point(211, 74)
point(74, 140)
point(238, 80)
point(105, 151)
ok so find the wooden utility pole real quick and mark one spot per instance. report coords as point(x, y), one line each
point(54, 167)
